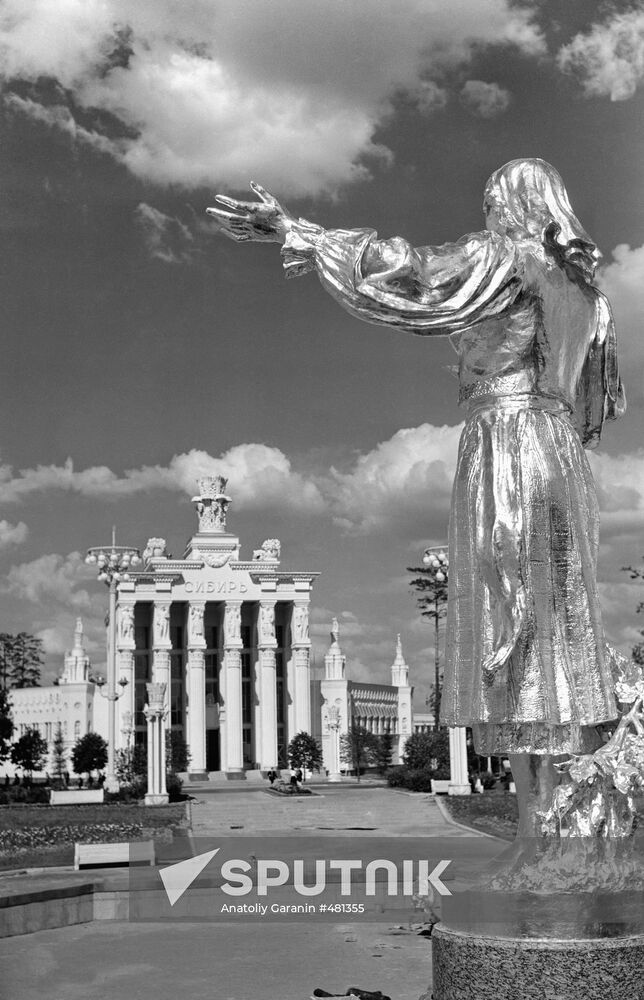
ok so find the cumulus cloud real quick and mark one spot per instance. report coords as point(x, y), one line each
point(12, 534)
point(260, 476)
point(485, 99)
point(52, 591)
point(623, 282)
point(166, 237)
point(430, 97)
point(209, 94)
point(609, 57)
point(50, 578)
point(404, 483)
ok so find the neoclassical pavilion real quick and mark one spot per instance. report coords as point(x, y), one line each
point(230, 639)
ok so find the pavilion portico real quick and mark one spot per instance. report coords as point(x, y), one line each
point(228, 637)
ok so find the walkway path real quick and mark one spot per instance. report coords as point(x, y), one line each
point(331, 810)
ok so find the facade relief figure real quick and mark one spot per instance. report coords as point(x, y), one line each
point(161, 624)
point(266, 624)
point(232, 623)
point(125, 624)
point(301, 624)
point(527, 663)
point(195, 623)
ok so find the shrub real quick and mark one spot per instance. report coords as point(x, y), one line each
point(396, 776)
point(174, 785)
point(36, 794)
point(415, 779)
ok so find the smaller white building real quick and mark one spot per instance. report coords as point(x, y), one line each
point(343, 704)
point(74, 703)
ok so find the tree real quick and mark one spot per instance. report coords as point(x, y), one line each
point(384, 752)
point(89, 753)
point(58, 757)
point(358, 748)
point(6, 644)
point(427, 751)
point(432, 586)
point(177, 753)
point(304, 751)
point(6, 725)
point(132, 764)
point(30, 752)
point(23, 654)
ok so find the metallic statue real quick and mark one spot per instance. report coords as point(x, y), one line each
point(527, 662)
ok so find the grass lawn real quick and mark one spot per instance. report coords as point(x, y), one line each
point(497, 812)
point(42, 836)
point(492, 812)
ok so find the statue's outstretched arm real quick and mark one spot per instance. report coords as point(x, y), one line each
point(426, 290)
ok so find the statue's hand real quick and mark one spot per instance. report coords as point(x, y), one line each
point(263, 221)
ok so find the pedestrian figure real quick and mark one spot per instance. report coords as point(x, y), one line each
point(299, 775)
point(272, 776)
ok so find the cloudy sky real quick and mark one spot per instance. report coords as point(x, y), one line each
point(141, 349)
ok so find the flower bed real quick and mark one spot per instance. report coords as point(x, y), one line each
point(45, 835)
point(285, 788)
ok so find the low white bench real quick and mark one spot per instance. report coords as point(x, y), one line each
point(75, 796)
point(139, 852)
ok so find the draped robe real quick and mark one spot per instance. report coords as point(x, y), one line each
point(527, 664)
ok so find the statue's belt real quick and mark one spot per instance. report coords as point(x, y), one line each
point(517, 388)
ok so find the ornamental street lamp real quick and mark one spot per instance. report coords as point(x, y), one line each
point(436, 572)
point(113, 562)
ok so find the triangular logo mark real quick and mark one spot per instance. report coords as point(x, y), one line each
point(178, 878)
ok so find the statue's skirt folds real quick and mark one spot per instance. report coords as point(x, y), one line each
point(527, 662)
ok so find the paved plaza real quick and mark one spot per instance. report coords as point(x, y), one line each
point(118, 960)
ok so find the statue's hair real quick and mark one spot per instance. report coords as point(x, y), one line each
point(531, 201)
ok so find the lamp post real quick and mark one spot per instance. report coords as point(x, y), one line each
point(436, 573)
point(113, 562)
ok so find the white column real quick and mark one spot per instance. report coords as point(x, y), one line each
point(155, 712)
point(267, 644)
point(332, 722)
point(300, 694)
point(458, 779)
point(232, 721)
point(125, 705)
point(196, 689)
point(125, 645)
point(161, 651)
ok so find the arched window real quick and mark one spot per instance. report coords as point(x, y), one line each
point(77, 727)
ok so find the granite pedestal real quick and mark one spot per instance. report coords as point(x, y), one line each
point(474, 967)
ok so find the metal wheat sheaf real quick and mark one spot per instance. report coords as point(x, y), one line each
point(598, 798)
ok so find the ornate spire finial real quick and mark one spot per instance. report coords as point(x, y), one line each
point(212, 504)
point(399, 668)
point(78, 634)
point(335, 631)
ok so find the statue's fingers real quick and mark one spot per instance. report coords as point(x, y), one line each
point(265, 195)
point(233, 203)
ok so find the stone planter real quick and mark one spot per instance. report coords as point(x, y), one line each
point(440, 786)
